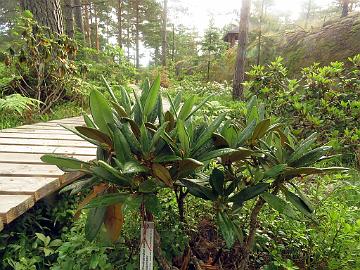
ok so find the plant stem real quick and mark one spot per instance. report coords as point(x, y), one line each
point(250, 239)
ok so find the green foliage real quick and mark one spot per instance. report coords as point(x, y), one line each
point(143, 151)
point(324, 99)
point(18, 104)
point(42, 64)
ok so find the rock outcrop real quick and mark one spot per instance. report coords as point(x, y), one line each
point(335, 41)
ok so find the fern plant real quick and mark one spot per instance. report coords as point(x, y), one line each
point(18, 104)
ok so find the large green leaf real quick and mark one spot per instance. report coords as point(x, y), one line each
point(107, 199)
point(120, 110)
point(125, 100)
point(238, 155)
point(158, 134)
point(95, 134)
point(279, 205)
point(111, 92)
point(65, 162)
point(121, 146)
point(152, 97)
point(311, 157)
point(198, 189)
point(109, 175)
point(73, 130)
point(166, 158)
point(134, 167)
point(138, 109)
point(274, 171)
point(183, 136)
point(94, 221)
point(246, 133)
point(199, 106)
point(186, 108)
point(208, 132)
point(89, 122)
point(261, 129)
point(101, 111)
point(187, 166)
point(297, 202)
point(302, 148)
point(217, 153)
point(131, 138)
point(227, 228)
point(249, 193)
point(217, 181)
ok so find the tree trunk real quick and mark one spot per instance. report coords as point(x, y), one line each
point(78, 16)
point(87, 22)
point(164, 34)
point(47, 13)
point(173, 43)
point(239, 74)
point(345, 8)
point(119, 20)
point(250, 239)
point(137, 38)
point(97, 40)
point(69, 18)
point(260, 33)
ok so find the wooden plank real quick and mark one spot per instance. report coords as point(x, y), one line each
point(58, 124)
point(50, 136)
point(47, 150)
point(13, 206)
point(44, 142)
point(29, 158)
point(37, 131)
point(69, 120)
point(13, 169)
point(69, 178)
point(38, 127)
point(36, 186)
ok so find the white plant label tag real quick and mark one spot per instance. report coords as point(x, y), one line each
point(147, 246)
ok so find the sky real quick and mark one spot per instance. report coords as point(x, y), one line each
point(223, 11)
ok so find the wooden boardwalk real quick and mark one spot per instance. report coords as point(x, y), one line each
point(24, 178)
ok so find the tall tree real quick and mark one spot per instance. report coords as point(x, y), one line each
point(239, 75)
point(260, 32)
point(119, 12)
point(309, 6)
point(164, 33)
point(77, 10)
point(137, 33)
point(96, 27)
point(47, 13)
point(87, 28)
point(212, 45)
point(345, 8)
point(69, 18)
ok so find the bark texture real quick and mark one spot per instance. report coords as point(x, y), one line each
point(239, 75)
point(77, 10)
point(345, 8)
point(69, 18)
point(137, 34)
point(164, 34)
point(47, 13)
point(119, 22)
point(87, 22)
